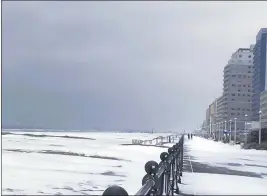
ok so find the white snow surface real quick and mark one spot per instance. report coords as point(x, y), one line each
point(36, 173)
point(221, 155)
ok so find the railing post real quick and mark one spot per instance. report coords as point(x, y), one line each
point(164, 158)
point(150, 182)
point(181, 144)
point(176, 166)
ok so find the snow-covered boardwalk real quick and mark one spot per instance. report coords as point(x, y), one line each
point(213, 168)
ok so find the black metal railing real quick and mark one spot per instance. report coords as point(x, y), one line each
point(162, 178)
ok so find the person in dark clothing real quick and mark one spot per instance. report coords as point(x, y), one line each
point(188, 136)
point(191, 135)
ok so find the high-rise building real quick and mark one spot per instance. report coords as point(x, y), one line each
point(259, 82)
point(237, 87)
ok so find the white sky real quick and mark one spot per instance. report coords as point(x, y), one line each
point(139, 65)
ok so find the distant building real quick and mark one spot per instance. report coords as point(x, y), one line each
point(259, 73)
point(204, 125)
point(208, 116)
point(219, 109)
point(213, 115)
point(237, 87)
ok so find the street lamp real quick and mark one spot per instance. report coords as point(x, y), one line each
point(210, 127)
point(260, 112)
point(219, 131)
point(235, 130)
point(246, 137)
point(225, 126)
point(230, 128)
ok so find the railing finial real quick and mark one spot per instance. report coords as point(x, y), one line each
point(115, 190)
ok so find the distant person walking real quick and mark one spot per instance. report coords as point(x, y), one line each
point(188, 135)
point(191, 135)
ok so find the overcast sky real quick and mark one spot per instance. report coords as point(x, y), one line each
point(119, 65)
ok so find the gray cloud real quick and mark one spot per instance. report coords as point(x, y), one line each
point(82, 65)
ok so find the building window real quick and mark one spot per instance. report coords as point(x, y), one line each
point(244, 85)
point(248, 90)
point(233, 75)
point(233, 108)
point(248, 95)
point(244, 76)
point(237, 109)
point(248, 109)
point(243, 109)
point(249, 71)
point(244, 95)
point(238, 113)
point(248, 85)
point(232, 114)
point(240, 56)
point(233, 99)
point(249, 66)
point(238, 94)
point(239, 90)
point(249, 100)
point(239, 76)
point(249, 56)
point(233, 85)
point(239, 85)
point(233, 94)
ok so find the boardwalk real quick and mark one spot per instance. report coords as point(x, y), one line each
point(212, 168)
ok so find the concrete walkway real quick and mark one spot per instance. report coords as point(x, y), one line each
point(212, 168)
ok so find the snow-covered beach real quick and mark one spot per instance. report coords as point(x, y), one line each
point(83, 163)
